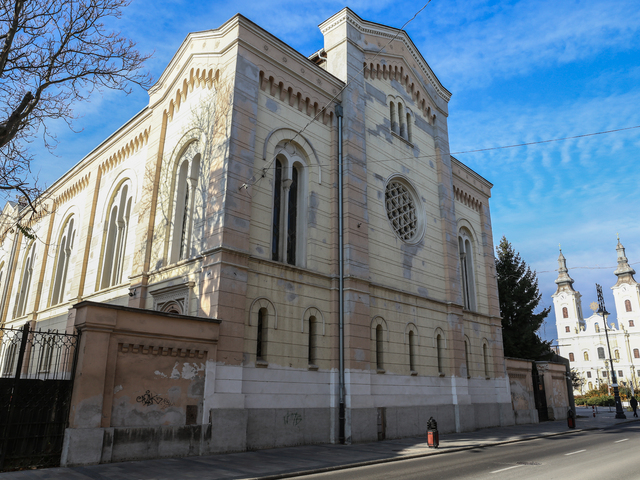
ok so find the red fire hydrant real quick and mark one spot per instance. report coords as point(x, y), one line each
point(571, 419)
point(433, 438)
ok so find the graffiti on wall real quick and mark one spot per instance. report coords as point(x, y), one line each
point(148, 399)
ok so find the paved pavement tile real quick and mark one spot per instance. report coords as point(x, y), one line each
point(276, 462)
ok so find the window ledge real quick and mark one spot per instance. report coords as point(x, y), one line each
point(414, 373)
point(380, 370)
point(261, 364)
point(313, 367)
point(401, 138)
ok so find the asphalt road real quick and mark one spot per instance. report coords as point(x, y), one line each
point(600, 454)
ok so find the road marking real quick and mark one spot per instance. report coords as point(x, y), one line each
point(573, 453)
point(623, 440)
point(505, 469)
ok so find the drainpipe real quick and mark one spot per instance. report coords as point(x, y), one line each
point(341, 406)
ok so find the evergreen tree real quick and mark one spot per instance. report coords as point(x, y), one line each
point(519, 299)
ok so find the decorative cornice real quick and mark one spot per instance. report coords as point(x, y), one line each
point(346, 15)
point(126, 151)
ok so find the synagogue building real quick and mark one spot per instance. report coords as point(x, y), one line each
point(278, 249)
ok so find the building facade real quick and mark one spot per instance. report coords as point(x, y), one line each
point(221, 199)
point(583, 340)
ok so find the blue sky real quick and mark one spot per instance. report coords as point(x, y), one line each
point(519, 71)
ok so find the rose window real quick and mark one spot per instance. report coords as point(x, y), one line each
point(402, 211)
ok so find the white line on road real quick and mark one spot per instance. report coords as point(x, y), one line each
point(573, 453)
point(505, 469)
point(623, 440)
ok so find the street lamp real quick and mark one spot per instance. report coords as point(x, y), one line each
point(616, 394)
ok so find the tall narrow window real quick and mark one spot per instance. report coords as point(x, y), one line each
point(287, 244)
point(616, 354)
point(586, 356)
point(412, 351)
point(401, 119)
point(571, 357)
point(565, 312)
point(600, 353)
point(186, 183)
point(277, 204)
point(25, 284)
point(393, 117)
point(379, 347)
point(466, 270)
point(627, 305)
point(292, 214)
point(590, 385)
point(631, 324)
point(485, 356)
point(439, 354)
point(10, 360)
point(597, 328)
point(62, 265)
point(567, 329)
point(409, 128)
point(261, 338)
point(588, 374)
point(313, 327)
point(116, 238)
point(636, 353)
point(466, 358)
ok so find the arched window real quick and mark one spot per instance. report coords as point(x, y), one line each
point(313, 335)
point(571, 357)
point(65, 246)
point(586, 356)
point(627, 305)
point(393, 117)
point(117, 230)
point(412, 351)
point(409, 128)
point(440, 354)
point(616, 354)
point(25, 284)
point(187, 174)
point(565, 312)
point(261, 337)
point(600, 353)
point(466, 358)
point(379, 347)
point(636, 353)
point(597, 328)
point(288, 229)
point(465, 248)
point(402, 119)
point(590, 385)
point(485, 356)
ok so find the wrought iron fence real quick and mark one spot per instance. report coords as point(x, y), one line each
point(36, 382)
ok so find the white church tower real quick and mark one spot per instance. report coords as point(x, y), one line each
point(567, 303)
point(626, 291)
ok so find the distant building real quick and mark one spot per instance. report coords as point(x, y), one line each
point(583, 340)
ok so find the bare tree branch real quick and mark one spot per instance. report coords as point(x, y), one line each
point(54, 53)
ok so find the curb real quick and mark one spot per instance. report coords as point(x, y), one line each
point(412, 456)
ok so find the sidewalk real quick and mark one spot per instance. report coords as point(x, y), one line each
point(284, 462)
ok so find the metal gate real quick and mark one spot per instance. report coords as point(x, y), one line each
point(36, 382)
point(539, 394)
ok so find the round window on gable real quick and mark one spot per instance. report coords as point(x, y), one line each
point(404, 210)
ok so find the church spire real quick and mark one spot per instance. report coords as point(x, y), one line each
point(563, 281)
point(624, 271)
